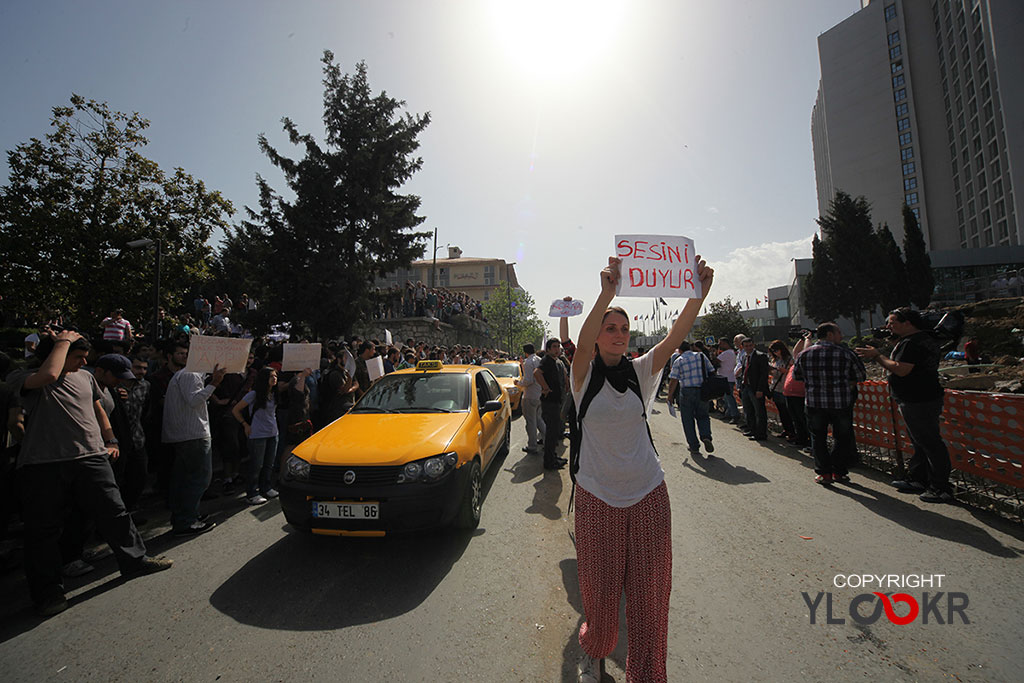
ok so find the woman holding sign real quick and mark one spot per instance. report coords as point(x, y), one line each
point(623, 519)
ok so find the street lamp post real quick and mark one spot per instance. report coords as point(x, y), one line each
point(140, 244)
point(433, 267)
point(508, 295)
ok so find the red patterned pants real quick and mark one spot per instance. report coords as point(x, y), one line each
point(626, 549)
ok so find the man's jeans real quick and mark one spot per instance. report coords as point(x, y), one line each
point(844, 448)
point(193, 470)
point(731, 409)
point(930, 463)
point(534, 423)
point(693, 410)
point(755, 415)
point(262, 453)
point(553, 429)
point(46, 490)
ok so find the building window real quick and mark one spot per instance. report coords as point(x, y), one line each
point(910, 198)
point(902, 109)
point(900, 94)
point(894, 37)
point(489, 275)
point(910, 183)
point(905, 138)
point(908, 168)
point(917, 214)
point(443, 276)
point(890, 12)
point(907, 153)
point(903, 124)
point(895, 52)
point(898, 80)
point(896, 66)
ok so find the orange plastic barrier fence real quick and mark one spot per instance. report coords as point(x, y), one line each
point(983, 432)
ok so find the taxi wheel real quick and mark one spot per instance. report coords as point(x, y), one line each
point(472, 499)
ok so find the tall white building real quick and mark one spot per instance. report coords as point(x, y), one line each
point(920, 102)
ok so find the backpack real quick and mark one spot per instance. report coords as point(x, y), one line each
point(597, 378)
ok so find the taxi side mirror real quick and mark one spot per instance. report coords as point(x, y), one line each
point(490, 407)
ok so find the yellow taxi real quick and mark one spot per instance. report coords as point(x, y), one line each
point(411, 454)
point(508, 373)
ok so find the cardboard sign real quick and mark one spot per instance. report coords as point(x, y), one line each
point(300, 357)
point(657, 266)
point(205, 352)
point(375, 366)
point(560, 308)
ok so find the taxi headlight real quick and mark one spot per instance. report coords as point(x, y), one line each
point(429, 469)
point(296, 468)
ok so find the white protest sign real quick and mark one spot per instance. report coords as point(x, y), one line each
point(657, 266)
point(375, 366)
point(560, 308)
point(387, 337)
point(205, 352)
point(300, 357)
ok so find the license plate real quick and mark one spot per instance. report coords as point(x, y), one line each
point(333, 510)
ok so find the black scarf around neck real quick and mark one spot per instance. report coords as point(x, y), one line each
point(616, 375)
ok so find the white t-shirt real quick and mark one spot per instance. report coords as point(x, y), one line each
point(728, 367)
point(618, 463)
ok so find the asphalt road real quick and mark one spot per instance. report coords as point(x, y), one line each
point(751, 533)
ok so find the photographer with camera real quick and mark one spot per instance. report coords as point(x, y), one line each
point(914, 384)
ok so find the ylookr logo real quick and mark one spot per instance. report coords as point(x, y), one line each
point(931, 608)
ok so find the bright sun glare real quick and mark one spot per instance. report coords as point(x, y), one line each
point(553, 39)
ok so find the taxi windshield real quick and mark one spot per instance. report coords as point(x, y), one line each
point(503, 369)
point(417, 393)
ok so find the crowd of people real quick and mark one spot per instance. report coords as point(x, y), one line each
point(98, 421)
point(419, 301)
point(96, 424)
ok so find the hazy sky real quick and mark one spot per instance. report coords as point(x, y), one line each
point(556, 124)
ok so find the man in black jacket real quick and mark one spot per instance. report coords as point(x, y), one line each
point(753, 389)
point(914, 384)
point(549, 376)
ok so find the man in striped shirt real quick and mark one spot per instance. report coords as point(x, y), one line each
point(116, 328)
point(830, 372)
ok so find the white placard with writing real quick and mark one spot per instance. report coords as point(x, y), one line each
point(375, 366)
point(206, 352)
point(560, 308)
point(387, 337)
point(300, 357)
point(657, 266)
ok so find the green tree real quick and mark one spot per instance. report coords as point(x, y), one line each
point(849, 239)
point(892, 272)
point(516, 305)
point(347, 223)
point(76, 198)
point(920, 280)
point(723, 320)
point(819, 285)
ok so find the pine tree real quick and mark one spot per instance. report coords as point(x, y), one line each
point(848, 236)
point(347, 224)
point(920, 280)
point(892, 272)
point(819, 287)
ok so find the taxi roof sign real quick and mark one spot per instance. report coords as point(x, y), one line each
point(429, 365)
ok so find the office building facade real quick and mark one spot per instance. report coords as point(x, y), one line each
point(920, 103)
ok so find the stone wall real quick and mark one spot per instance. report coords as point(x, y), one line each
point(462, 330)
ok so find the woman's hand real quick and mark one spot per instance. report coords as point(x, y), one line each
point(610, 276)
point(706, 275)
point(247, 429)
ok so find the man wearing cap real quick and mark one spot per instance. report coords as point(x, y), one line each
point(65, 455)
point(111, 371)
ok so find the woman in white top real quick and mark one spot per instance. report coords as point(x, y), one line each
point(623, 519)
